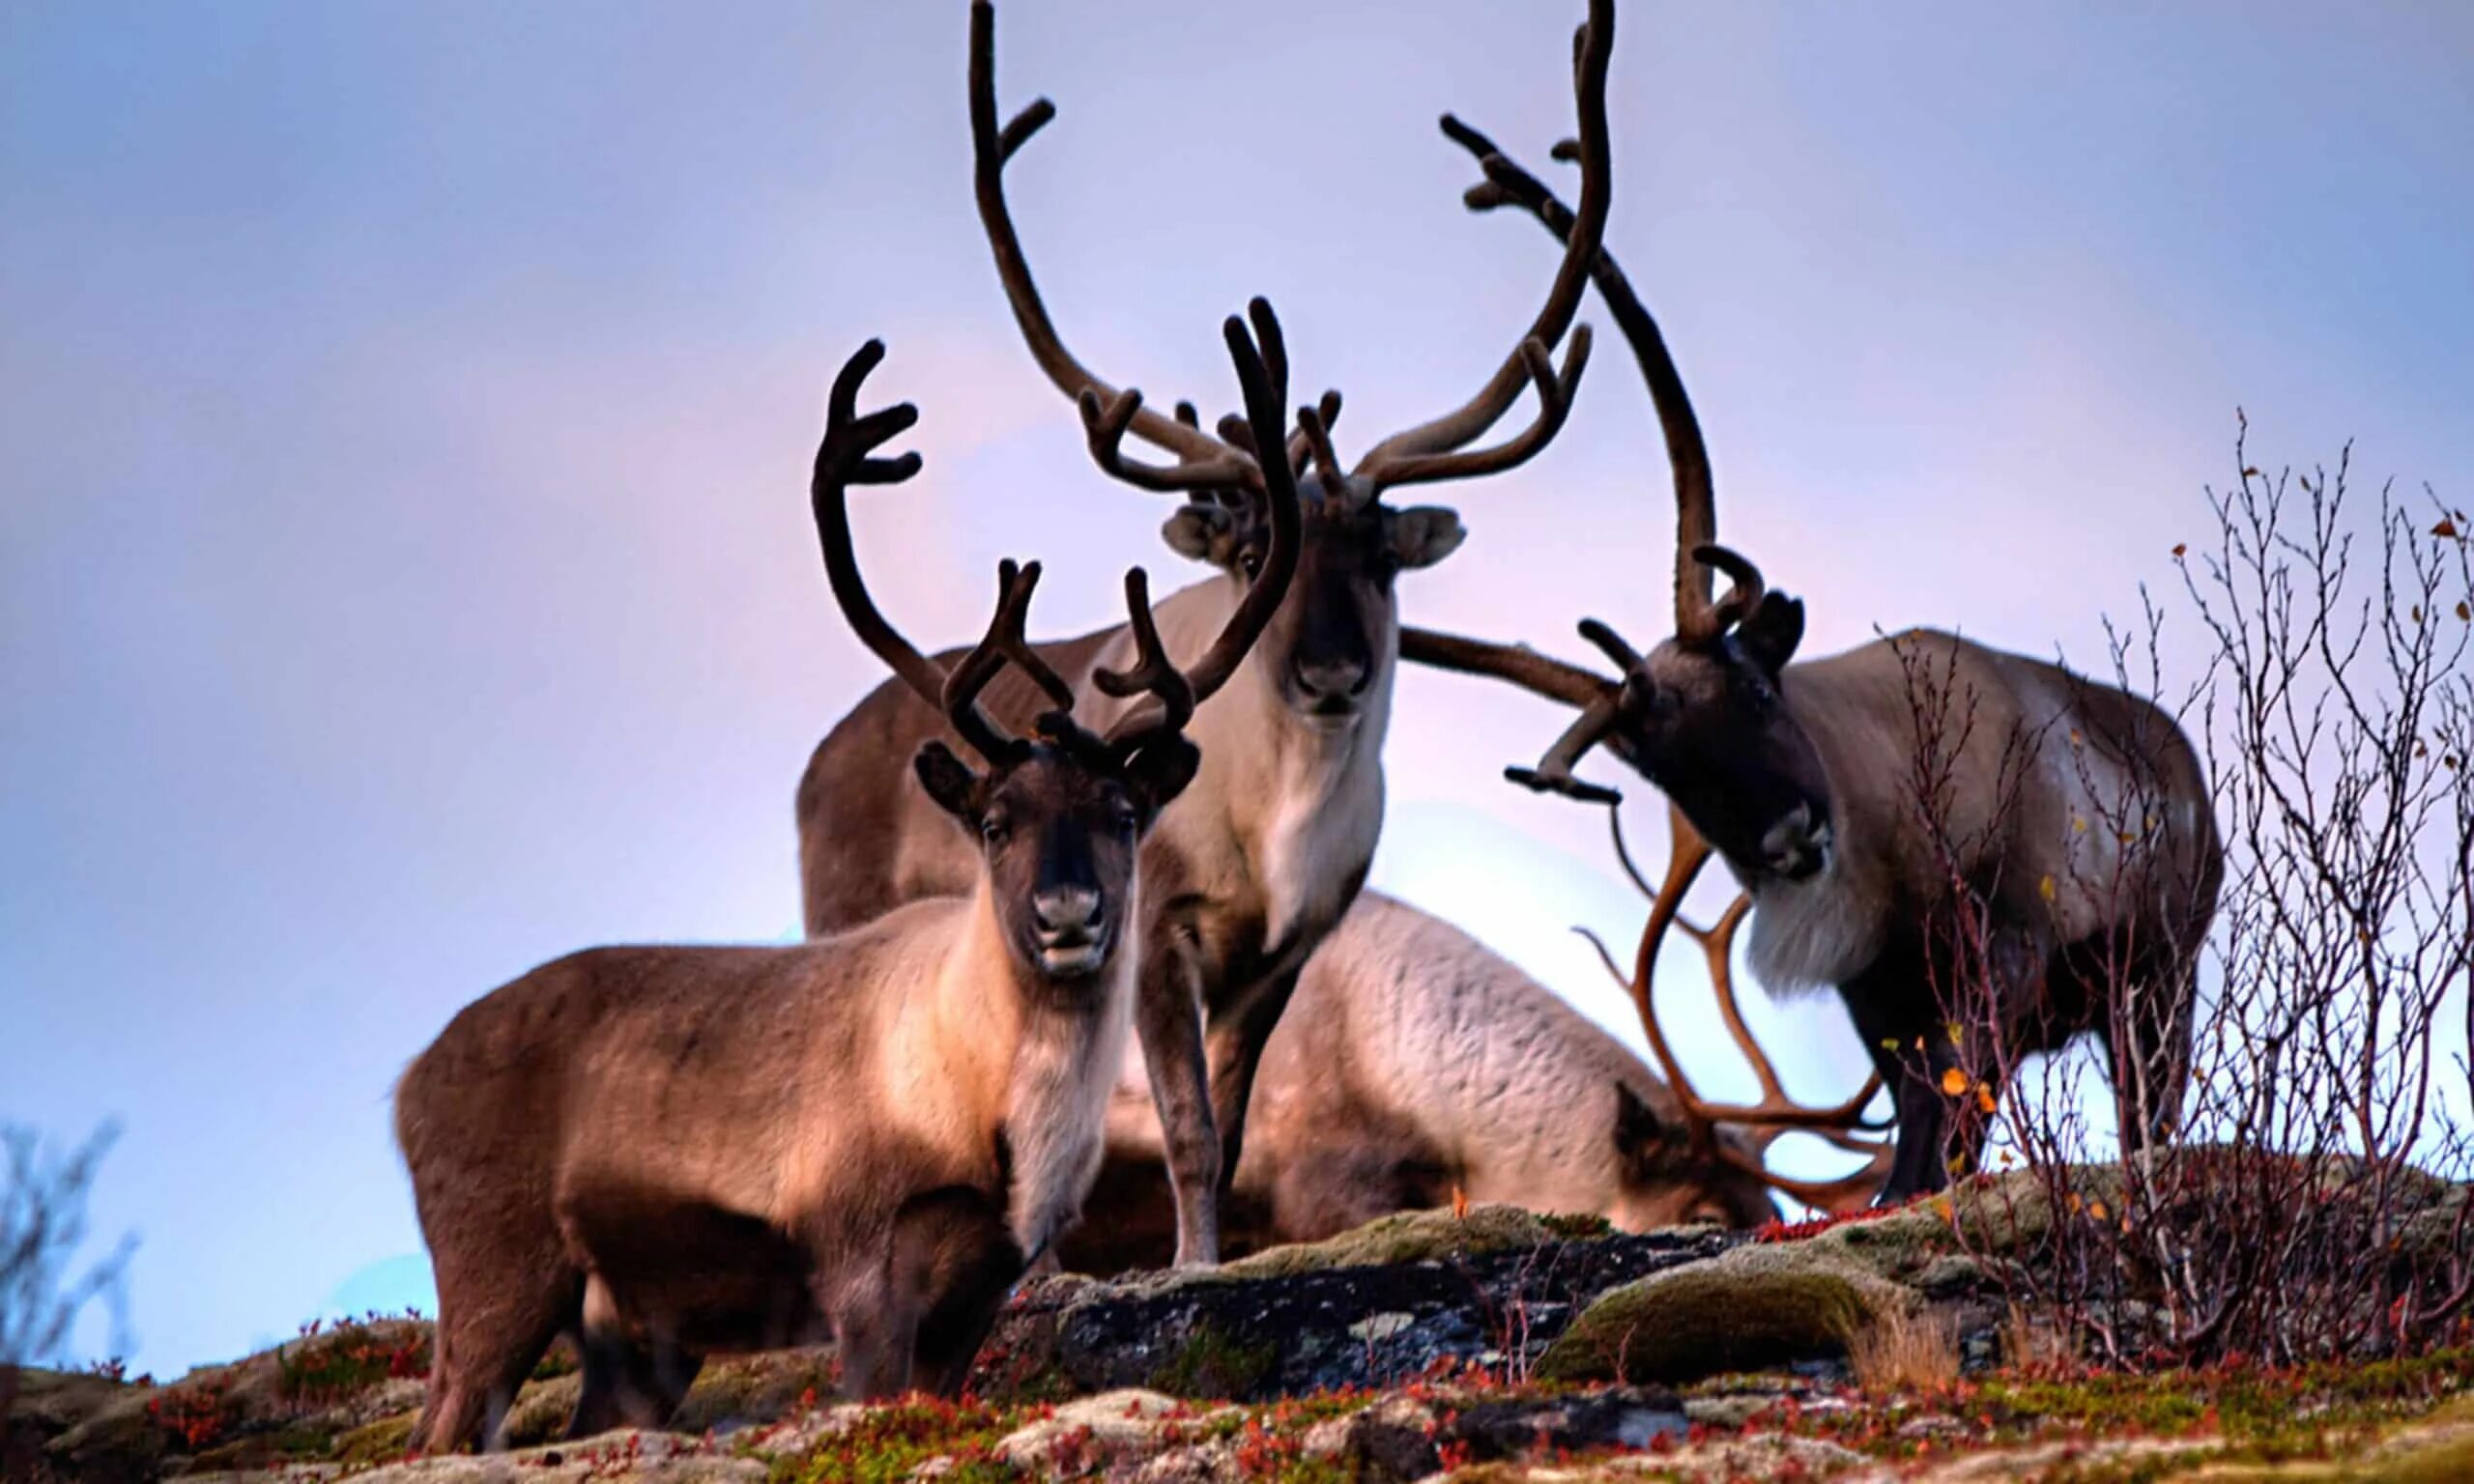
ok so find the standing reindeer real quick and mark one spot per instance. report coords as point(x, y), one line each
point(672, 1150)
point(1920, 818)
point(1266, 850)
point(1416, 1063)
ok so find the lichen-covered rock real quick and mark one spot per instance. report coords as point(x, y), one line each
point(1753, 1306)
point(1365, 1309)
point(1104, 1433)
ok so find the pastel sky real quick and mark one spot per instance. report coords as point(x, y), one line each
point(405, 570)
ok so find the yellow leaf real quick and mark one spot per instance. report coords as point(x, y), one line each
point(2079, 825)
point(2075, 1203)
point(2250, 474)
point(2417, 613)
point(2463, 611)
point(1954, 1082)
point(2048, 890)
point(1956, 1032)
point(2096, 1209)
point(2180, 547)
point(1889, 1043)
point(1984, 1099)
point(2446, 530)
point(1459, 1203)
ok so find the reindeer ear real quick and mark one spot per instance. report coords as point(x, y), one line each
point(1769, 636)
point(949, 781)
point(1639, 1131)
point(1202, 533)
point(1422, 536)
point(1161, 772)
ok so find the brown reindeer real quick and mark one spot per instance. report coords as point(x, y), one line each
point(1918, 819)
point(1417, 1063)
point(672, 1150)
point(1261, 856)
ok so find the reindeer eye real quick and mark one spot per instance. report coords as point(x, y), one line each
point(1125, 819)
point(995, 829)
point(1250, 560)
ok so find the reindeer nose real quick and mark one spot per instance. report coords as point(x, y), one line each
point(1331, 679)
point(1798, 845)
point(1066, 914)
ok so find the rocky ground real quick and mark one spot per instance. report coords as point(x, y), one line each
point(1490, 1345)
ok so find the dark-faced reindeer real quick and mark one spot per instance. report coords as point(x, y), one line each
point(1919, 819)
point(672, 1150)
point(1416, 1063)
point(1261, 856)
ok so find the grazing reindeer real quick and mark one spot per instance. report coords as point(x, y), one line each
point(1416, 1063)
point(2064, 860)
point(672, 1150)
point(1259, 859)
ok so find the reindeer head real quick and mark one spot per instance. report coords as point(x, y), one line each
point(1327, 653)
point(1702, 715)
point(1663, 1179)
point(1058, 815)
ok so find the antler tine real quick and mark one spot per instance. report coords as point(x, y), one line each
point(845, 458)
point(1105, 427)
point(1745, 588)
point(1152, 672)
point(1313, 438)
point(1554, 771)
point(1594, 47)
point(1264, 396)
point(986, 659)
point(1554, 404)
point(991, 148)
point(1600, 700)
point(1507, 183)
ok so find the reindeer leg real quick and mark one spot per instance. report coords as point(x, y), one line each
point(1236, 1052)
point(1892, 1012)
point(1167, 1019)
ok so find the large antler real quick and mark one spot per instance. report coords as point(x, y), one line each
point(1776, 1114)
point(1261, 374)
point(1108, 414)
point(1424, 452)
point(1697, 618)
point(1696, 509)
point(1235, 459)
point(846, 457)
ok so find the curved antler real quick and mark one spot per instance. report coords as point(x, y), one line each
point(846, 457)
point(1177, 692)
point(1203, 459)
point(1593, 49)
point(1696, 509)
point(1554, 404)
point(1776, 1114)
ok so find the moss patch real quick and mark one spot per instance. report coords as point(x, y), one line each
point(1753, 1306)
point(1211, 1363)
point(1408, 1237)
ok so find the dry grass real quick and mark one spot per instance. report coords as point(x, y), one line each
point(2036, 1347)
point(1906, 1353)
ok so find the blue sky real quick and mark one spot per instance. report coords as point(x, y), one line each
point(404, 567)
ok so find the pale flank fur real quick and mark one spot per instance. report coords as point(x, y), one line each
point(1856, 709)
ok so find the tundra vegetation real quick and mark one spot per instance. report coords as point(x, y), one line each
point(1486, 1240)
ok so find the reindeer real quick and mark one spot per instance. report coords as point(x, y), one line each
point(1264, 854)
point(1919, 817)
point(1416, 1063)
point(672, 1150)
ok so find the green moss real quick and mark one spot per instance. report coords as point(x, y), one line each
point(1212, 1363)
point(1753, 1306)
point(1578, 1226)
point(381, 1442)
point(1407, 1237)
